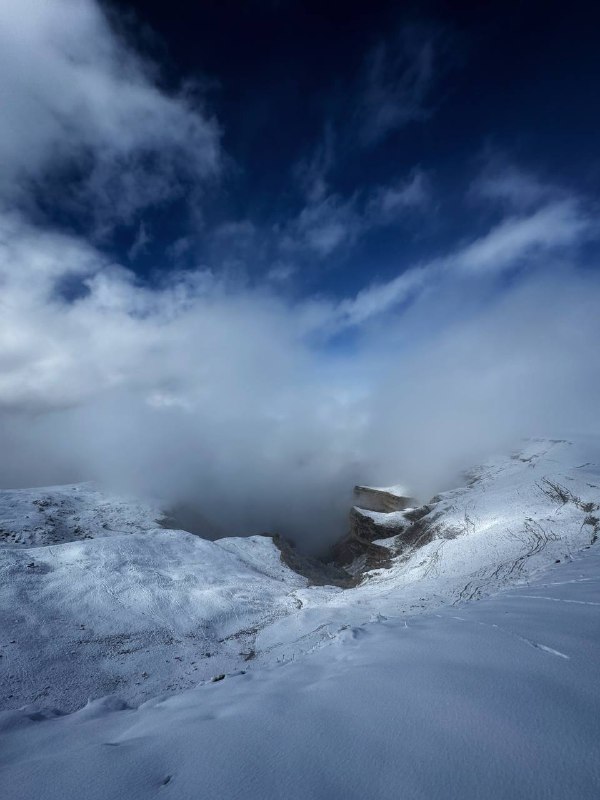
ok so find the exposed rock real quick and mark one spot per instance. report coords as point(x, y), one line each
point(384, 513)
point(380, 515)
point(358, 555)
point(384, 500)
point(371, 525)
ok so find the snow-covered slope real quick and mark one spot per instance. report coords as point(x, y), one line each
point(138, 612)
point(498, 699)
point(57, 514)
point(519, 514)
point(144, 613)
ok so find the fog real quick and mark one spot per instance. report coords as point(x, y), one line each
point(220, 401)
point(240, 404)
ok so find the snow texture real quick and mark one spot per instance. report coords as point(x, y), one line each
point(403, 686)
point(57, 514)
point(496, 699)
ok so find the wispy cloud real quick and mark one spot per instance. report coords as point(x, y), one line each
point(324, 226)
point(550, 229)
point(504, 183)
point(140, 243)
point(312, 172)
point(397, 78)
point(555, 230)
point(77, 100)
point(332, 222)
point(387, 204)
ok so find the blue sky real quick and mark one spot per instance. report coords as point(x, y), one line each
point(293, 246)
point(319, 115)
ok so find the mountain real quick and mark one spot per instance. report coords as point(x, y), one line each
point(214, 669)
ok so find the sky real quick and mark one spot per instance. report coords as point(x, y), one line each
point(254, 252)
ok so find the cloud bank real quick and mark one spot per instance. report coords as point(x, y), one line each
point(256, 410)
point(222, 398)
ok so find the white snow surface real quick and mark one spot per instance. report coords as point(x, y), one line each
point(136, 614)
point(57, 514)
point(495, 699)
point(402, 686)
point(389, 519)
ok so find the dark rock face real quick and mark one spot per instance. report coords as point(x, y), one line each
point(374, 517)
point(382, 514)
point(363, 526)
point(367, 526)
point(377, 516)
point(360, 553)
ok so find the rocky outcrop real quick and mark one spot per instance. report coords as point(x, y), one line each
point(378, 512)
point(377, 515)
point(371, 525)
point(384, 500)
point(384, 514)
point(358, 555)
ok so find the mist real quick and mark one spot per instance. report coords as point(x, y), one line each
point(218, 401)
point(227, 390)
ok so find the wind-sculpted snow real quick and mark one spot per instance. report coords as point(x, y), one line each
point(497, 699)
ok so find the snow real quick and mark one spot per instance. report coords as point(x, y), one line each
point(401, 686)
point(495, 533)
point(135, 613)
point(495, 699)
point(390, 519)
point(57, 514)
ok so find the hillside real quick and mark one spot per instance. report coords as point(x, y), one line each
point(214, 641)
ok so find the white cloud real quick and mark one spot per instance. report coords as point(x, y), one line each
point(213, 394)
point(332, 223)
point(378, 299)
point(74, 95)
point(327, 225)
point(281, 272)
point(312, 173)
point(546, 233)
point(389, 203)
point(462, 383)
point(194, 389)
point(140, 243)
point(550, 228)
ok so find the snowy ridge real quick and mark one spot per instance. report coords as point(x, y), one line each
point(498, 531)
point(141, 615)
